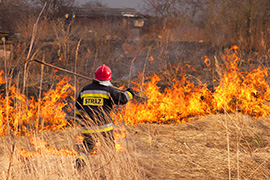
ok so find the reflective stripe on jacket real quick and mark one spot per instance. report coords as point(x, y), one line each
point(96, 129)
point(96, 101)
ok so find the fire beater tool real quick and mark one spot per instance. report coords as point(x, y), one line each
point(76, 74)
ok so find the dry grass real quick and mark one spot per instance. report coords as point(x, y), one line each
point(198, 150)
point(194, 150)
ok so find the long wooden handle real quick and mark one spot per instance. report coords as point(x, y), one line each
point(61, 69)
point(76, 74)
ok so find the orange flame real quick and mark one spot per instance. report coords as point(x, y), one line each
point(151, 59)
point(190, 67)
point(174, 104)
point(2, 81)
point(42, 148)
point(119, 133)
point(245, 92)
point(207, 61)
point(119, 147)
point(22, 111)
point(236, 91)
point(54, 72)
point(234, 47)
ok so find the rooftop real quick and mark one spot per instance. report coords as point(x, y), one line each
point(101, 11)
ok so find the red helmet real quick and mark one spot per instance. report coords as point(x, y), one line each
point(103, 73)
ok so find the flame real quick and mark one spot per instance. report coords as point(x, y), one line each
point(122, 87)
point(190, 67)
point(120, 132)
point(23, 116)
point(174, 104)
point(96, 149)
point(151, 59)
point(42, 149)
point(234, 47)
point(207, 61)
point(119, 147)
point(79, 139)
point(2, 81)
point(237, 91)
point(54, 72)
point(242, 91)
point(248, 92)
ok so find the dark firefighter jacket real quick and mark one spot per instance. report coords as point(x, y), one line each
point(96, 101)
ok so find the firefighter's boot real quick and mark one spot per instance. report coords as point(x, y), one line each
point(80, 161)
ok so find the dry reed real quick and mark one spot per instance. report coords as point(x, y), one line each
point(194, 150)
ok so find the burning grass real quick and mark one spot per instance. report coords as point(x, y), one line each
point(52, 156)
point(237, 91)
point(27, 115)
point(210, 146)
point(194, 150)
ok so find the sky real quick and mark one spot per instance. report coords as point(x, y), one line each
point(137, 4)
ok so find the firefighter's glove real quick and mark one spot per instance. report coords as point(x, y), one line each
point(131, 91)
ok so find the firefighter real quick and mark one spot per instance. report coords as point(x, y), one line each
point(67, 23)
point(93, 107)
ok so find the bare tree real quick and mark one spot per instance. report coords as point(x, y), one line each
point(244, 22)
point(174, 8)
point(12, 12)
point(56, 7)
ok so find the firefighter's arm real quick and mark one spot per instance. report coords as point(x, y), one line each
point(130, 92)
point(122, 97)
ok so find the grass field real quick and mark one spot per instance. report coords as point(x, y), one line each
point(212, 147)
point(192, 79)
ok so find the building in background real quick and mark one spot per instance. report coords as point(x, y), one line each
point(116, 22)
